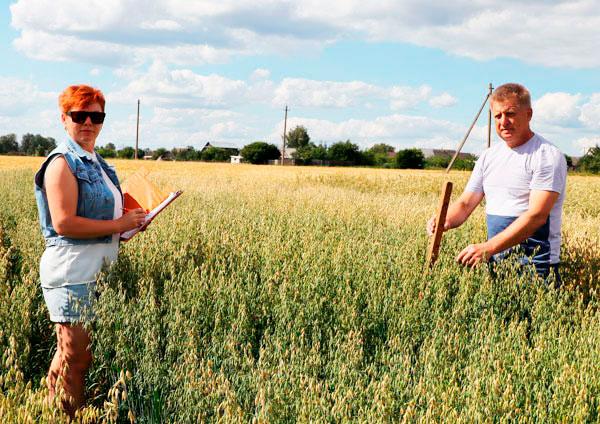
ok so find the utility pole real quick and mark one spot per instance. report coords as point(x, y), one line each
point(137, 131)
point(284, 131)
point(490, 117)
point(462, 143)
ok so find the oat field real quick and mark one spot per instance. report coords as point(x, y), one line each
point(269, 294)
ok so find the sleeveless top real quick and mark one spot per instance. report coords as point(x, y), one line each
point(77, 261)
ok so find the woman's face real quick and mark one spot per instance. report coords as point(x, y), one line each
point(84, 133)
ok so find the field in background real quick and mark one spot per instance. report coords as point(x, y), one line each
point(296, 294)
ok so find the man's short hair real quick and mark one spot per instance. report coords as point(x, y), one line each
point(511, 90)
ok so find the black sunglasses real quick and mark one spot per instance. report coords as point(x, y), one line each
point(80, 116)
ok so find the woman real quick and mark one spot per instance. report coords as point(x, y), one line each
point(80, 208)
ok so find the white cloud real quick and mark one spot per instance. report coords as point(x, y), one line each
point(44, 121)
point(69, 15)
point(555, 33)
point(443, 100)
point(559, 109)
point(590, 112)
point(304, 92)
point(121, 32)
point(52, 47)
point(161, 24)
point(551, 33)
point(406, 97)
point(17, 96)
point(583, 144)
point(190, 118)
point(398, 130)
point(179, 127)
point(188, 106)
point(95, 72)
point(260, 74)
point(161, 85)
point(334, 94)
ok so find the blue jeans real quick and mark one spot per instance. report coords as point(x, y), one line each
point(533, 252)
point(69, 304)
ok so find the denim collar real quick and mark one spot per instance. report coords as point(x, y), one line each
point(78, 150)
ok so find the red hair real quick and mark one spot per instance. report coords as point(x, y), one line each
point(80, 96)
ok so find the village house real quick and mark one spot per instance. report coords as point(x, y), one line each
point(230, 148)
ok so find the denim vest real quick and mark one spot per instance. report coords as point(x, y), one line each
point(94, 198)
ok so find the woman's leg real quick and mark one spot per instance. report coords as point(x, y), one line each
point(71, 361)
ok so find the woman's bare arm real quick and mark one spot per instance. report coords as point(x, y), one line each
point(61, 191)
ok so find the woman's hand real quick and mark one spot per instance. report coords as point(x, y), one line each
point(132, 219)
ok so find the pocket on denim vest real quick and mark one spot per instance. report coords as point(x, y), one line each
point(92, 192)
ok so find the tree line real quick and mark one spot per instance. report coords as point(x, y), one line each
point(30, 145)
point(210, 154)
point(346, 153)
point(306, 152)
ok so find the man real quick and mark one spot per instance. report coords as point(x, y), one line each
point(523, 180)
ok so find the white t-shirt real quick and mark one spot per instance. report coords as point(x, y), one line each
point(78, 264)
point(506, 176)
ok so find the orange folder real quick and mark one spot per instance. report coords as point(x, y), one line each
point(139, 192)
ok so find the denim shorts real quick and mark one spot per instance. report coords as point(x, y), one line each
point(71, 303)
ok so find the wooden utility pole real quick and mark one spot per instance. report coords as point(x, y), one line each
point(436, 239)
point(284, 131)
point(490, 117)
point(137, 131)
point(462, 143)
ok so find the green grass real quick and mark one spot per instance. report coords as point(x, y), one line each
point(297, 294)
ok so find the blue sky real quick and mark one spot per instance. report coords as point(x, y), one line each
point(410, 73)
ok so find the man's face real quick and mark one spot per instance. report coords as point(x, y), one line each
point(512, 121)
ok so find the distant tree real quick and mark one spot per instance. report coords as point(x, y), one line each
point(382, 148)
point(298, 137)
point(187, 154)
point(108, 151)
point(157, 153)
point(465, 163)
point(569, 160)
point(37, 145)
point(126, 153)
point(410, 159)
point(320, 152)
point(306, 154)
point(367, 158)
point(437, 162)
point(215, 154)
point(590, 162)
point(27, 144)
point(380, 154)
point(345, 151)
point(260, 152)
point(8, 143)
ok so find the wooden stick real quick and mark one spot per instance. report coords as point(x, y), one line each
point(436, 239)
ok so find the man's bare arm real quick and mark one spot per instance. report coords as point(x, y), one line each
point(458, 211)
point(540, 205)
